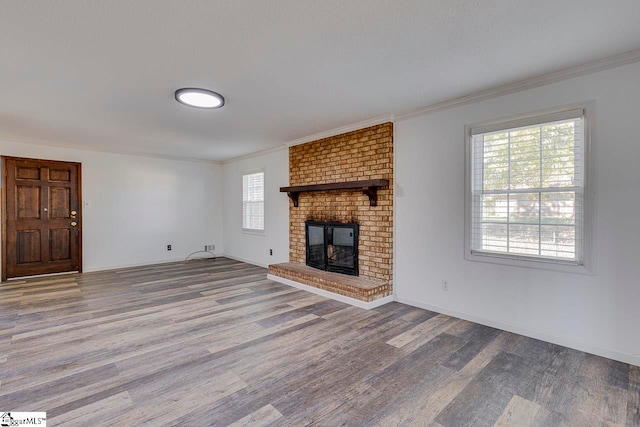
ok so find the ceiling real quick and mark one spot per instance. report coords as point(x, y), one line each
point(101, 74)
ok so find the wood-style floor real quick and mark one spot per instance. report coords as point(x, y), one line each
point(216, 343)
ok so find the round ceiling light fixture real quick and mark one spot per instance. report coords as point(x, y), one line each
point(199, 98)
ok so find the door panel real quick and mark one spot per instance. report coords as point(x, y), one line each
point(59, 175)
point(60, 244)
point(60, 201)
point(29, 242)
point(41, 217)
point(28, 202)
point(28, 173)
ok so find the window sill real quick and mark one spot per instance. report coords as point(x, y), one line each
point(519, 261)
point(253, 232)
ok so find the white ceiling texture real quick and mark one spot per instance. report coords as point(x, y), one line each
point(101, 74)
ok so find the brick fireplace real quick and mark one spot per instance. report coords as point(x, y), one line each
point(362, 155)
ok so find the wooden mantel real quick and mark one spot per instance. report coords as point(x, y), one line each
point(369, 187)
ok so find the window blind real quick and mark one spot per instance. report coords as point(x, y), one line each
point(527, 189)
point(253, 201)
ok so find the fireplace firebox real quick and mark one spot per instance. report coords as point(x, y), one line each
point(332, 246)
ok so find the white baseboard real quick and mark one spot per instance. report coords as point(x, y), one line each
point(243, 260)
point(531, 333)
point(116, 267)
point(331, 295)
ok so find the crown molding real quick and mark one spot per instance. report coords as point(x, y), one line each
point(254, 154)
point(530, 83)
point(101, 149)
point(341, 130)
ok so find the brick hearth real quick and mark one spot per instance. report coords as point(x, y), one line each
point(360, 288)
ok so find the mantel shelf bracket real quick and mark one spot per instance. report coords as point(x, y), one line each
point(293, 195)
point(368, 187)
point(372, 192)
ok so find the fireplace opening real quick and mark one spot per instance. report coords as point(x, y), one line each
point(332, 246)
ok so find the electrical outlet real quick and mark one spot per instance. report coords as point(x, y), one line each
point(271, 252)
point(168, 247)
point(445, 285)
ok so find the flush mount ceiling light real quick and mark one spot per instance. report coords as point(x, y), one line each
point(199, 98)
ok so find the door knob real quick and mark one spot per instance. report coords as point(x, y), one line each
point(73, 212)
point(73, 224)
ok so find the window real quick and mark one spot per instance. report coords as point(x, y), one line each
point(253, 201)
point(526, 190)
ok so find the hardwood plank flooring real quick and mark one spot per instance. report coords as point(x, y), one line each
point(214, 343)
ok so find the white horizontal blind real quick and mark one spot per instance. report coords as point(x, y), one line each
point(253, 201)
point(527, 190)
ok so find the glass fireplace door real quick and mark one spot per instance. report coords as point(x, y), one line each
point(341, 254)
point(332, 247)
point(315, 246)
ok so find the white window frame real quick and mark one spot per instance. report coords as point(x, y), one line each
point(264, 222)
point(587, 265)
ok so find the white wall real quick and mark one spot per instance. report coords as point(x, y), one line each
point(254, 248)
point(598, 313)
point(138, 205)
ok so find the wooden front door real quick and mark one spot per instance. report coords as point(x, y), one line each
point(41, 223)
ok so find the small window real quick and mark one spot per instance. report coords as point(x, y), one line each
point(526, 190)
point(253, 201)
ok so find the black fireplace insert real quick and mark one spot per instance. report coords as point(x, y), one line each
point(332, 246)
